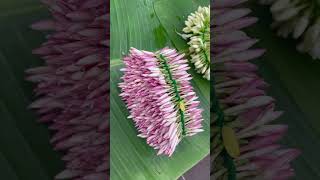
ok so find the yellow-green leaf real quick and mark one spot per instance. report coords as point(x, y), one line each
point(230, 141)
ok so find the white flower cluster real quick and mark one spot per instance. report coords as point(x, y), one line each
point(301, 18)
point(198, 32)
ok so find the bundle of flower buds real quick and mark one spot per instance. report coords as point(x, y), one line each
point(73, 85)
point(198, 33)
point(244, 142)
point(301, 18)
point(157, 90)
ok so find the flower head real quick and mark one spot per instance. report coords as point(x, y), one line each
point(299, 18)
point(72, 86)
point(197, 31)
point(244, 140)
point(157, 90)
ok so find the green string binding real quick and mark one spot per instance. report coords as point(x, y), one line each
point(228, 161)
point(174, 85)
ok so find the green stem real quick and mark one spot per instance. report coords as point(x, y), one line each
point(228, 161)
point(229, 164)
point(203, 37)
point(174, 85)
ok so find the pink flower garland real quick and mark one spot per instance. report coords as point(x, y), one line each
point(244, 105)
point(73, 85)
point(160, 98)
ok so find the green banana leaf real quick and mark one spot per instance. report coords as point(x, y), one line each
point(25, 151)
point(143, 24)
point(294, 83)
